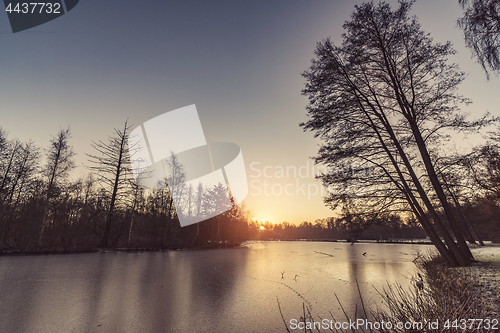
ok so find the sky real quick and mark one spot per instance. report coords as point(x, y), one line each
point(239, 62)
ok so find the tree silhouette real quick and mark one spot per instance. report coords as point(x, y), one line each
point(384, 99)
point(114, 172)
point(3, 142)
point(19, 169)
point(59, 164)
point(481, 26)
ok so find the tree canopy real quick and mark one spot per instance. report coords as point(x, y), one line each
point(481, 26)
point(386, 98)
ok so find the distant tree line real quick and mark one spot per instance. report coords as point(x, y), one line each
point(333, 229)
point(43, 209)
point(482, 213)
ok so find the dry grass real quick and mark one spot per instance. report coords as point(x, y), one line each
point(447, 293)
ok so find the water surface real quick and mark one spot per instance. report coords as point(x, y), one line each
point(225, 290)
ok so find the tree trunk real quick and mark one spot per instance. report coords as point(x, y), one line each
point(466, 254)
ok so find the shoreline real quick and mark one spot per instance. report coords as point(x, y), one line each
point(486, 272)
point(117, 249)
point(478, 251)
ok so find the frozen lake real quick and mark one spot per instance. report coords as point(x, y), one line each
point(226, 290)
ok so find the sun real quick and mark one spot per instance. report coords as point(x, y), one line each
point(262, 227)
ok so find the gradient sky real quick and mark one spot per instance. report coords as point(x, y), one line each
point(239, 62)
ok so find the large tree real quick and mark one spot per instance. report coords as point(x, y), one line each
point(481, 26)
point(114, 173)
point(384, 100)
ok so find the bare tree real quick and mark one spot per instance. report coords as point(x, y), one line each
point(19, 175)
point(481, 26)
point(59, 163)
point(114, 172)
point(384, 99)
point(137, 194)
point(9, 157)
point(3, 142)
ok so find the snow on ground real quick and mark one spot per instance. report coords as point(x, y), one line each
point(487, 272)
point(488, 253)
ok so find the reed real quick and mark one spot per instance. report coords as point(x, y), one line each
point(442, 293)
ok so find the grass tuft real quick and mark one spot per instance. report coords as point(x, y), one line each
point(446, 293)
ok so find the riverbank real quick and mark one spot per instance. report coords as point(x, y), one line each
point(208, 246)
point(487, 274)
point(448, 295)
point(438, 293)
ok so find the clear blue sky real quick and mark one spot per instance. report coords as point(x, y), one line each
point(239, 62)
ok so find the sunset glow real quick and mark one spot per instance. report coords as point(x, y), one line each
point(263, 166)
